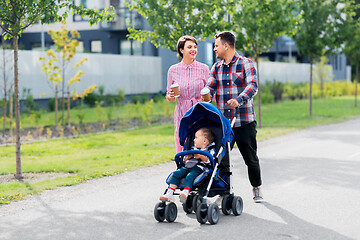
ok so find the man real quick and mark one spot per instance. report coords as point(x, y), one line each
point(233, 79)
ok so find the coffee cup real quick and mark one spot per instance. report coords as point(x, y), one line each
point(175, 89)
point(205, 93)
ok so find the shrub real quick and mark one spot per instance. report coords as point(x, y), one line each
point(91, 99)
point(135, 99)
point(144, 98)
point(276, 88)
point(266, 96)
point(121, 96)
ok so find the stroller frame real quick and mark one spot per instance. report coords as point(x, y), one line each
point(197, 201)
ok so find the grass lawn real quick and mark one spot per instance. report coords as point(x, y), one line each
point(109, 153)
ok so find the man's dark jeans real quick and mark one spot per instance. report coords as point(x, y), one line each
point(245, 138)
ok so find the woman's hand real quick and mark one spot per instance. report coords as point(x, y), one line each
point(170, 96)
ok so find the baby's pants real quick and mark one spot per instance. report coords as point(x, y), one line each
point(189, 174)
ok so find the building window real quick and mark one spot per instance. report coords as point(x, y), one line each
point(93, 4)
point(130, 47)
point(209, 60)
point(136, 48)
point(340, 58)
point(96, 46)
point(37, 46)
point(80, 47)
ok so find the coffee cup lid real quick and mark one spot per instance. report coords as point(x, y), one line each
point(174, 85)
point(205, 90)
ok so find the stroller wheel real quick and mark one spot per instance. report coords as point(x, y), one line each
point(196, 202)
point(213, 213)
point(159, 211)
point(170, 212)
point(188, 205)
point(226, 205)
point(201, 213)
point(237, 205)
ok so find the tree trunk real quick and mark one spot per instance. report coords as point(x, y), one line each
point(5, 96)
point(259, 93)
point(68, 106)
point(310, 90)
point(11, 111)
point(18, 174)
point(356, 81)
point(56, 105)
point(63, 95)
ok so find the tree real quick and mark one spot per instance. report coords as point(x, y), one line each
point(318, 32)
point(171, 19)
point(55, 67)
point(322, 73)
point(257, 23)
point(351, 33)
point(16, 16)
point(53, 73)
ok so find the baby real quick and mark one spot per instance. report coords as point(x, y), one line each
point(194, 165)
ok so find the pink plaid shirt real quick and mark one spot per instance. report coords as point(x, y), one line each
point(191, 79)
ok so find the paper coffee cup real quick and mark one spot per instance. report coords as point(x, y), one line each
point(205, 93)
point(176, 90)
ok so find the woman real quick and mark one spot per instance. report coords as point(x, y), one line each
point(191, 76)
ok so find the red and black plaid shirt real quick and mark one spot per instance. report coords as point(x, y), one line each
point(236, 80)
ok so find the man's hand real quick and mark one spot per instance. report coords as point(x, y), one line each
point(233, 103)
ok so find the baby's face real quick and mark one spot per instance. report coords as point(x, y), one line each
point(200, 141)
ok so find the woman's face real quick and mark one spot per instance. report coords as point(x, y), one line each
point(190, 50)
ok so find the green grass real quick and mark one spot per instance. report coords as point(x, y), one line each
point(295, 114)
point(96, 114)
point(90, 156)
point(102, 154)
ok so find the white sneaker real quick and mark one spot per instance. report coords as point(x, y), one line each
point(167, 197)
point(183, 196)
point(258, 197)
point(218, 201)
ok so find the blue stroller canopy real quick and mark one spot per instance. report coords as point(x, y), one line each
point(204, 115)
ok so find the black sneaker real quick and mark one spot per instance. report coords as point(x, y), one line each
point(257, 195)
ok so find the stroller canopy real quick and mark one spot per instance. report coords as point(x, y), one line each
point(204, 115)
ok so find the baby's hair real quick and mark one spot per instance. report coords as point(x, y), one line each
point(209, 135)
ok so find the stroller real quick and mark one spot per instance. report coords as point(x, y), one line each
point(212, 182)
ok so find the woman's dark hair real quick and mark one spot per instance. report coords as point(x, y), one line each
point(226, 37)
point(181, 43)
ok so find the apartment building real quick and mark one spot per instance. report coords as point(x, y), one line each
point(110, 38)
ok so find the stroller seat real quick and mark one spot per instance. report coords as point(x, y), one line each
point(200, 182)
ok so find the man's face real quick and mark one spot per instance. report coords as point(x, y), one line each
point(219, 48)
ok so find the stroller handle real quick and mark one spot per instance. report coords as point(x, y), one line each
point(237, 109)
point(178, 160)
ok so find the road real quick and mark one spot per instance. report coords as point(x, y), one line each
point(310, 184)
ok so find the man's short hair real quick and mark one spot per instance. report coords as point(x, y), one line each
point(209, 135)
point(181, 43)
point(226, 37)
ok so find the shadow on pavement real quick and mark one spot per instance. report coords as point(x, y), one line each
point(59, 224)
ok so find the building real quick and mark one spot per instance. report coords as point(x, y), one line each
point(110, 38)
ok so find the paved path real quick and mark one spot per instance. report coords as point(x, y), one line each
point(311, 185)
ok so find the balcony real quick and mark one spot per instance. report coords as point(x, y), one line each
point(124, 18)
